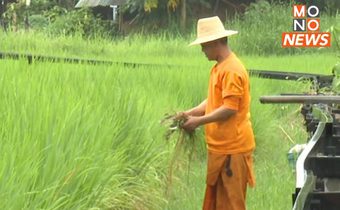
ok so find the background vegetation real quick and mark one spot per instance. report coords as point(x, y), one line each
point(260, 24)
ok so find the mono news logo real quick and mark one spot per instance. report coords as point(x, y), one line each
point(306, 26)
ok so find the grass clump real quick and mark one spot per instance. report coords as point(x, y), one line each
point(185, 143)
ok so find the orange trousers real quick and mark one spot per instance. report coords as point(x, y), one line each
point(228, 192)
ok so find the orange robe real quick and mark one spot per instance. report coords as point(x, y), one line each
point(229, 87)
point(225, 192)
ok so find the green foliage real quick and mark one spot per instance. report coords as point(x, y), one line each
point(53, 13)
point(38, 22)
point(15, 14)
point(149, 16)
point(153, 4)
point(336, 36)
point(261, 27)
point(160, 15)
point(81, 22)
point(40, 6)
point(20, 11)
point(54, 19)
point(330, 6)
point(78, 146)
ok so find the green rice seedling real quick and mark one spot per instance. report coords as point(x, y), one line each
point(185, 143)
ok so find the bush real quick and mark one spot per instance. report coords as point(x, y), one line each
point(81, 22)
point(260, 29)
point(38, 22)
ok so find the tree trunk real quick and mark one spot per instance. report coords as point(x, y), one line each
point(183, 15)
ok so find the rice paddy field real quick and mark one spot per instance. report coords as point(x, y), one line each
point(77, 136)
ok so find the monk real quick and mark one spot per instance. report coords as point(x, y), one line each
point(226, 117)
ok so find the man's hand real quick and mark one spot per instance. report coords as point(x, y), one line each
point(181, 116)
point(191, 124)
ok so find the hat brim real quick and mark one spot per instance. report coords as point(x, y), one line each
point(210, 38)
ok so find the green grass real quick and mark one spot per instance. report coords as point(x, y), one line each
point(71, 139)
point(129, 49)
point(88, 137)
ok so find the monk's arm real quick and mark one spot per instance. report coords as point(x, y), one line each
point(220, 114)
point(198, 110)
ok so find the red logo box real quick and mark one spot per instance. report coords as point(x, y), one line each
point(306, 39)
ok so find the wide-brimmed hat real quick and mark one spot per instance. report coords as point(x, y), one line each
point(210, 29)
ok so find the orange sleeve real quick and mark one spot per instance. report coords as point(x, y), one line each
point(232, 90)
point(231, 102)
point(232, 85)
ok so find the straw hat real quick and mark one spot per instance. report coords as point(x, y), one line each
point(210, 29)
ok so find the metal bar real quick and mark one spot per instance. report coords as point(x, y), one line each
point(301, 173)
point(304, 192)
point(306, 99)
point(281, 75)
point(284, 75)
point(30, 58)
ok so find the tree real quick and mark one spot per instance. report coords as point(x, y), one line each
point(153, 4)
point(160, 10)
point(68, 4)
